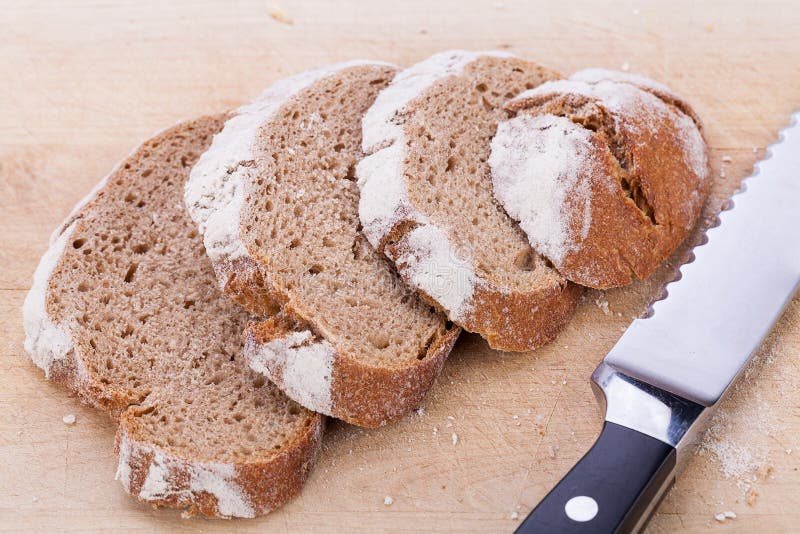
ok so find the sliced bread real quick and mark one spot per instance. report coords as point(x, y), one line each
point(606, 174)
point(125, 313)
point(276, 199)
point(426, 199)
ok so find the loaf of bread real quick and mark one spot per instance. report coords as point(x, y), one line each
point(276, 199)
point(124, 312)
point(426, 199)
point(606, 174)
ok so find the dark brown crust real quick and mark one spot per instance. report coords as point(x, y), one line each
point(265, 484)
point(65, 373)
point(509, 321)
point(360, 394)
point(242, 280)
point(636, 227)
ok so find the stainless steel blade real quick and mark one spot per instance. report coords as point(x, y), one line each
point(715, 317)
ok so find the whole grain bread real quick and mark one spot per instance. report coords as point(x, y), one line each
point(276, 199)
point(606, 173)
point(124, 312)
point(426, 199)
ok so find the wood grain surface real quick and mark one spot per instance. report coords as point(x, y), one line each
point(82, 82)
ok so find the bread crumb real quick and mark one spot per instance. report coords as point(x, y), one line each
point(69, 419)
point(727, 159)
point(625, 67)
point(553, 452)
point(514, 515)
point(602, 303)
point(419, 412)
point(765, 471)
point(725, 515)
point(278, 14)
point(751, 497)
point(455, 439)
point(388, 501)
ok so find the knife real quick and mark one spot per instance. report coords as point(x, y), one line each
point(666, 375)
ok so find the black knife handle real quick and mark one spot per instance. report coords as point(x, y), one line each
point(609, 489)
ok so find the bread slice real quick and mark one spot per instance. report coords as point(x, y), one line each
point(606, 173)
point(426, 199)
point(124, 312)
point(276, 200)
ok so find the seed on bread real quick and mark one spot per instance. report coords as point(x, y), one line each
point(124, 312)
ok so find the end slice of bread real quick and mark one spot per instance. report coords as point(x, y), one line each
point(606, 176)
point(125, 313)
point(276, 199)
point(427, 203)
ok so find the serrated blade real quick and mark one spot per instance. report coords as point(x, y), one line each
point(717, 314)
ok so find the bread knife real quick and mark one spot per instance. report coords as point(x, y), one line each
point(665, 377)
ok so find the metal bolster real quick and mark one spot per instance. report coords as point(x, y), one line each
point(652, 411)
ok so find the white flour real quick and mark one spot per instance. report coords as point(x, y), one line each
point(540, 170)
point(307, 367)
point(436, 269)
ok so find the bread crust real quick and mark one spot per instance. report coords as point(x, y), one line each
point(256, 487)
point(508, 319)
point(263, 483)
point(511, 321)
point(384, 395)
point(645, 175)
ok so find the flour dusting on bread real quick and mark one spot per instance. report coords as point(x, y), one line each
point(384, 196)
point(45, 341)
point(437, 270)
point(161, 481)
point(538, 165)
point(305, 367)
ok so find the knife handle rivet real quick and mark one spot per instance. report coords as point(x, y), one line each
point(581, 508)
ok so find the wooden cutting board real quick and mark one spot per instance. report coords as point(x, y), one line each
point(83, 84)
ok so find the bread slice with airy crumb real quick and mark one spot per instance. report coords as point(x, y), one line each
point(426, 199)
point(276, 199)
point(606, 173)
point(125, 313)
